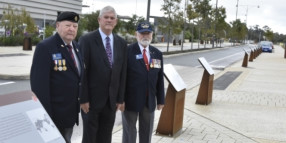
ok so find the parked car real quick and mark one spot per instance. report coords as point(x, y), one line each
point(266, 46)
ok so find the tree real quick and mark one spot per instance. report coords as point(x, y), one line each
point(238, 30)
point(203, 9)
point(268, 33)
point(17, 19)
point(173, 20)
point(191, 15)
point(220, 25)
point(26, 19)
point(130, 26)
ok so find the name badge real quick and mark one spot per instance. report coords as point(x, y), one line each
point(57, 56)
point(139, 56)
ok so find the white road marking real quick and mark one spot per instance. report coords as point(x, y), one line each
point(221, 58)
point(5, 83)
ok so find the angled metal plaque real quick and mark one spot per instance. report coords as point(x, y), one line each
point(206, 65)
point(174, 78)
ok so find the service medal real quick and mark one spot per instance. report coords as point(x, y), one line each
point(60, 65)
point(56, 63)
point(64, 65)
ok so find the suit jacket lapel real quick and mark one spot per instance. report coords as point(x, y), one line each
point(101, 47)
point(137, 51)
point(79, 57)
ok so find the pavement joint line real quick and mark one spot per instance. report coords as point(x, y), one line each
point(206, 118)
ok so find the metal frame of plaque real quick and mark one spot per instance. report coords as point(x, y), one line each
point(171, 119)
point(245, 59)
point(24, 120)
point(206, 88)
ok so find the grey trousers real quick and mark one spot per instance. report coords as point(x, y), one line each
point(146, 122)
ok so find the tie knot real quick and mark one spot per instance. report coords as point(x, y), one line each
point(69, 46)
point(107, 38)
point(144, 50)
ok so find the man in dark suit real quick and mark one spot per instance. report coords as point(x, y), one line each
point(144, 86)
point(105, 56)
point(56, 74)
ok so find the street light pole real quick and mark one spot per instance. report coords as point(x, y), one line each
point(246, 17)
point(214, 36)
point(236, 10)
point(148, 11)
point(184, 16)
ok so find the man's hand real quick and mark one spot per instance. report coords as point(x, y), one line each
point(85, 107)
point(160, 106)
point(120, 107)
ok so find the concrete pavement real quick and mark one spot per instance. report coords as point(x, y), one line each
point(251, 109)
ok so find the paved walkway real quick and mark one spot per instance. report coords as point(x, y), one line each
point(251, 109)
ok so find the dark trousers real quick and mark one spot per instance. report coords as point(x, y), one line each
point(66, 133)
point(98, 125)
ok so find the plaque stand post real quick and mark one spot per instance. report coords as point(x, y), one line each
point(206, 89)
point(171, 119)
point(251, 57)
point(245, 60)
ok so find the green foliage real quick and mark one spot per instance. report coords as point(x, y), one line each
point(11, 40)
point(238, 30)
point(130, 26)
point(89, 21)
point(49, 31)
point(188, 35)
point(15, 20)
point(173, 20)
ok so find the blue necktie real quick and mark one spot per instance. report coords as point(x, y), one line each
point(108, 51)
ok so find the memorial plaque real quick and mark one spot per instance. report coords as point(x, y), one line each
point(24, 120)
point(206, 65)
point(172, 115)
point(174, 78)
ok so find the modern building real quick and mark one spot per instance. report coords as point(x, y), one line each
point(42, 10)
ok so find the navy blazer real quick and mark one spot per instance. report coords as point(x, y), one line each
point(58, 90)
point(102, 83)
point(140, 80)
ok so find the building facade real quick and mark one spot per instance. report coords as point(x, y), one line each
point(43, 10)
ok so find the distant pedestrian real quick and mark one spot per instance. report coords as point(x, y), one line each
point(56, 74)
point(144, 86)
point(105, 56)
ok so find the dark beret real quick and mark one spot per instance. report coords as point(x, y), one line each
point(68, 16)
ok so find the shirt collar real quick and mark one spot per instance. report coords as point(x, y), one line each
point(103, 35)
point(141, 48)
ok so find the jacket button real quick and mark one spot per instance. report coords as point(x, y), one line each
point(78, 99)
point(79, 84)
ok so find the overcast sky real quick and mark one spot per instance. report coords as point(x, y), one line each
point(270, 12)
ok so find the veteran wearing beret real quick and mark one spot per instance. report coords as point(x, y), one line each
point(144, 86)
point(56, 74)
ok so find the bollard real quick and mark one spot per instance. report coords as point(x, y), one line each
point(245, 60)
point(251, 56)
point(27, 44)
